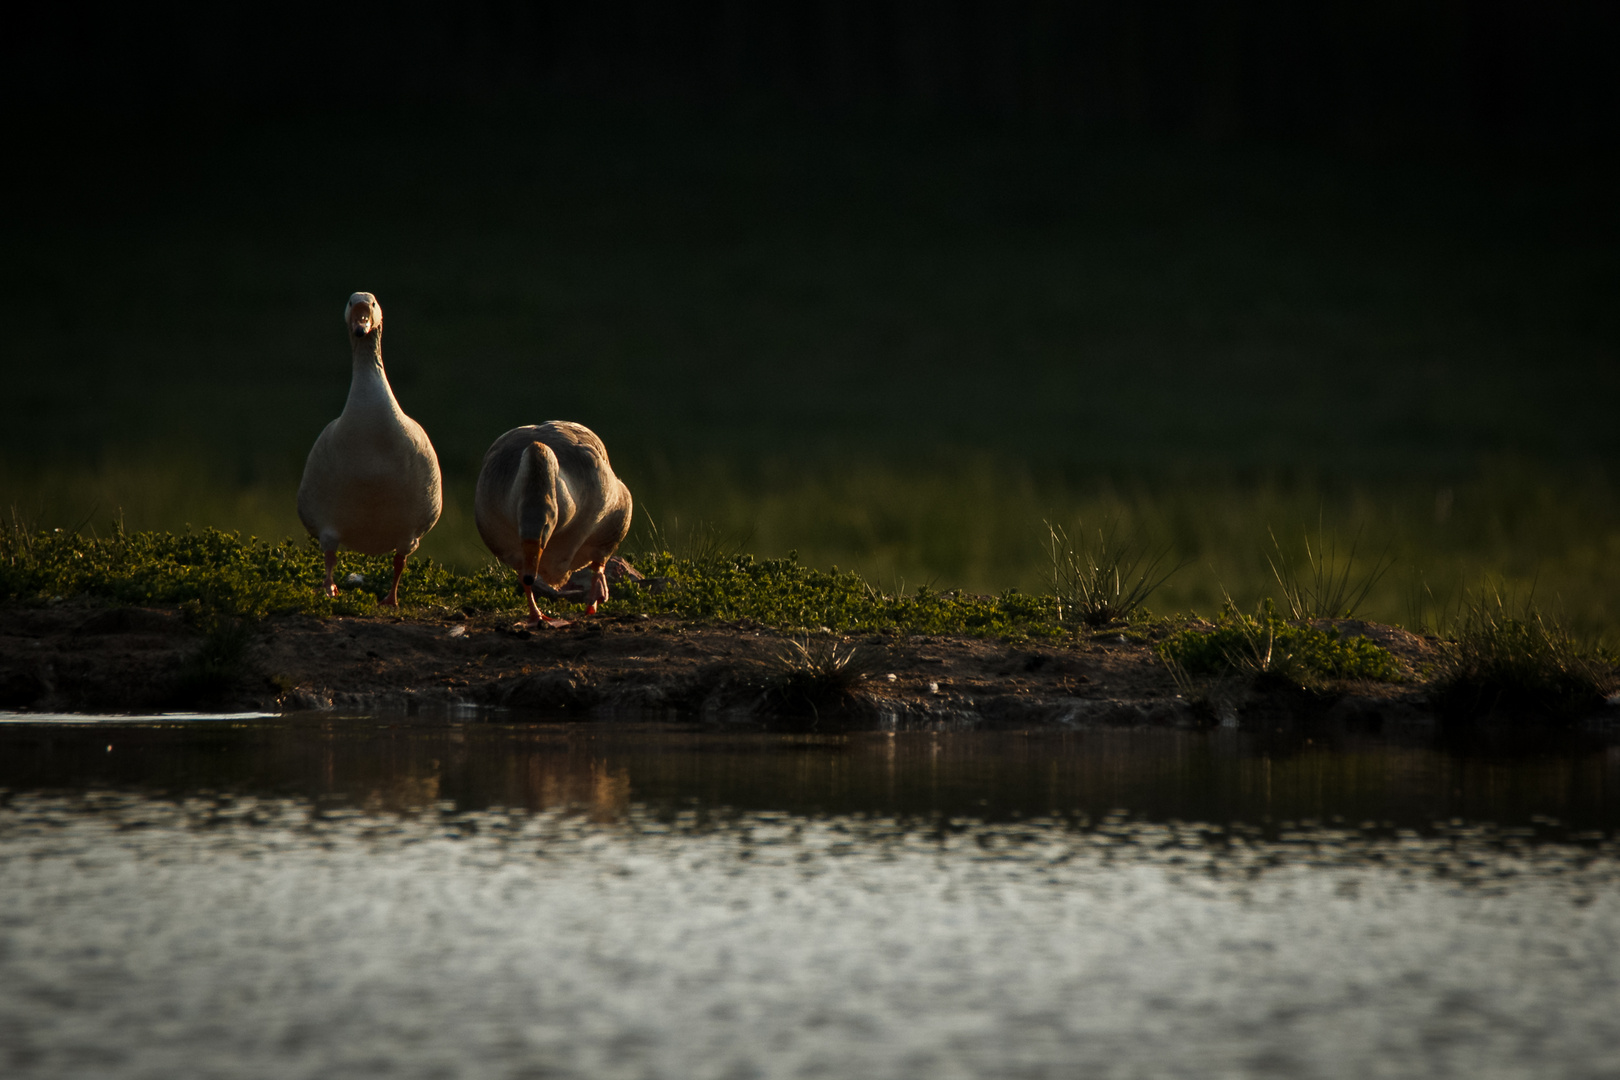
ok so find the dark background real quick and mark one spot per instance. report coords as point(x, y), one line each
point(1527, 72)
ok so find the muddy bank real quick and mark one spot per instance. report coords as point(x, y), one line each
point(80, 657)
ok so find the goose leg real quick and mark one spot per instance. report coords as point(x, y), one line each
point(599, 586)
point(330, 587)
point(533, 547)
point(392, 599)
point(536, 616)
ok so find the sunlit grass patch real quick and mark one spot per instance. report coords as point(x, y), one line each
point(211, 574)
point(215, 575)
point(1513, 662)
point(1264, 646)
point(786, 594)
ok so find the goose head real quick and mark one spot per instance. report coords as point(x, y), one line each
point(363, 315)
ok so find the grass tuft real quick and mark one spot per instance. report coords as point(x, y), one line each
point(817, 675)
point(1510, 662)
point(1323, 588)
point(1103, 583)
point(1265, 647)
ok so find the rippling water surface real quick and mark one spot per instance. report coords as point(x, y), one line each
point(357, 897)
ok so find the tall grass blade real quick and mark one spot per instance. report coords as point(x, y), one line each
point(1325, 588)
point(1108, 581)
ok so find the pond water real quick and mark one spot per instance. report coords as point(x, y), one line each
point(360, 896)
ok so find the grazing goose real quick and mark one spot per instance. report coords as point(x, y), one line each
point(371, 483)
point(548, 504)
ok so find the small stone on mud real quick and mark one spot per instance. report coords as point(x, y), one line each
point(933, 688)
point(891, 677)
point(458, 631)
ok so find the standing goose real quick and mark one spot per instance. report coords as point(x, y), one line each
point(371, 483)
point(548, 504)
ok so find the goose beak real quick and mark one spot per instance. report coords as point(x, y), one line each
point(362, 327)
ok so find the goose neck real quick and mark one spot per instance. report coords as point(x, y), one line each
point(368, 385)
point(368, 351)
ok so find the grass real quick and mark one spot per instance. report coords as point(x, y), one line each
point(1323, 587)
point(1264, 647)
point(1105, 582)
point(815, 675)
point(980, 528)
point(214, 575)
point(1512, 662)
point(788, 595)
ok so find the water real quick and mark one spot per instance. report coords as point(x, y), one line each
point(320, 897)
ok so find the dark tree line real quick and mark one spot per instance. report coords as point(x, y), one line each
point(1520, 70)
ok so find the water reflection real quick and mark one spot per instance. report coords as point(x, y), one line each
point(1218, 777)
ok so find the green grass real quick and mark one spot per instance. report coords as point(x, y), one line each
point(217, 576)
point(784, 593)
point(982, 530)
point(214, 575)
point(1264, 646)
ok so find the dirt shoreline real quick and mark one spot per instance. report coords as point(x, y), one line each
point(77, 656)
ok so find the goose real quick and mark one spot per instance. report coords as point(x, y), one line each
point(371, 483)
point(548, 504)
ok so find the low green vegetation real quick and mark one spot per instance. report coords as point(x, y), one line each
point(215, 575)
point(981, 530)
point(786, 594)
point(1264, 646)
